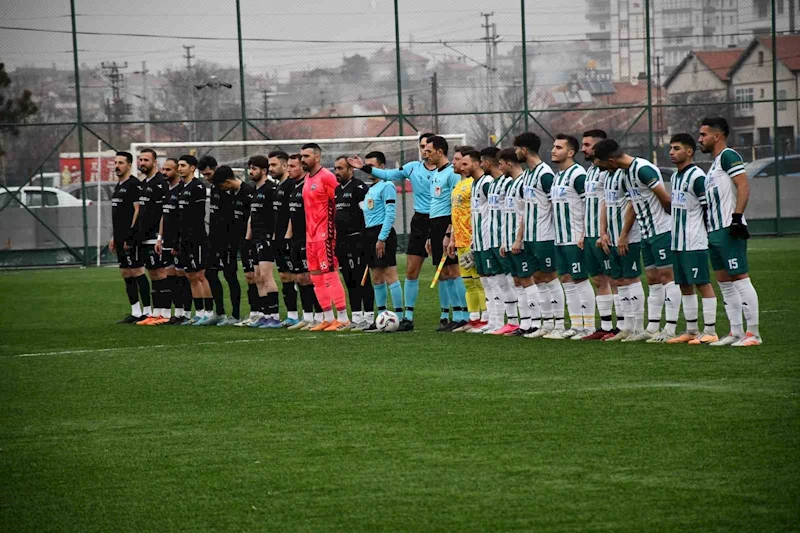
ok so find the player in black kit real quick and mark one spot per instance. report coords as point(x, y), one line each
point(296, 235)
point(124, 219)
point(151, 206)
point(223, 247)
point(242, 195)
point(192, 238)
point(350, 244)
point(167, 244)
point(260, 229)
point(278, 162)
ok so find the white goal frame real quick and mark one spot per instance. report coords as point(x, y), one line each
point(135, 147)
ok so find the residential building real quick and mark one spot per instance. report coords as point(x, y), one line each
point(756, 16)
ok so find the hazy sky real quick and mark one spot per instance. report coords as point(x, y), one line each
point(456, 21)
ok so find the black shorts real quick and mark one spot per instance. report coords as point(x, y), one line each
point(174, 260)
point(194, 257)
point(264, 251)
point(298, 263)
point(153, 260)
point(224, 259)
point(389, 258)
point(439, 227)
point(283, 256)
point(247, 252)
point(131, 258)
point(352, 252)
point(420, 232)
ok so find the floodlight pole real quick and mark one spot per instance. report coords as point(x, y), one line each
point(79, 117)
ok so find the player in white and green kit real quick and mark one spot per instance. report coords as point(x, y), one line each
point(479, 213)
point(539, 235)
point(512, 246)
point(597, 262)
point(621, 240)
point(727, 192)
point(690, 244)
point(651, 204)
point(500, 279)
point(567, 196)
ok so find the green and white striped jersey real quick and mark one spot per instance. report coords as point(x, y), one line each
point(481, 235)
point(497, 198)
point(568, 207)
point(617, 204)
point(721, 190)
point(513, 210)
point(595, 183)
point(642, 177)
point(538, 209)
point(688, 202)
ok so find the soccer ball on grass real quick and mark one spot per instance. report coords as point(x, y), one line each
point(387, 322)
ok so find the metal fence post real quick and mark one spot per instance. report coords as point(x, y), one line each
point(80, 132)
point(775, 125)
point(241, 72)
point(400, 117)
point(649, 80)
point(524, 65)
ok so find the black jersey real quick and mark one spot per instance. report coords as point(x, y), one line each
point(151, 206)
point(220, 218)
point(242, 201)
point(349, 215)
point(262, 216)
point(126, 193)
point(297, 211)
point(171, 219)
point(282, 207)
point(192, 207)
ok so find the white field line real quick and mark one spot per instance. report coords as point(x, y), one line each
point(122, 348)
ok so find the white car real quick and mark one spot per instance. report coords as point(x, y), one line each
point(34, 197)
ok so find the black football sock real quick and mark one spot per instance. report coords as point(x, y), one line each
point(208, 303)
point(272, 303)
point(144, 290)
point(368, 296)
point(187, 294)
point(290, 296)
point(307, 299)
point(155, 293)
point(132, 290)
point(216, 290)
point(253, 298)
point(198, 305)
point(235, 291)
point(166, 294)
point(176, 292)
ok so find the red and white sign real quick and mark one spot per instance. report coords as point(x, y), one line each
point(69, 166)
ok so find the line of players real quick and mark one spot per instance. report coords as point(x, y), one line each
point(518, 241)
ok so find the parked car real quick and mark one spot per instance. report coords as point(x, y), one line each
point(38, 197)
point(765, 168)
point(106, 190)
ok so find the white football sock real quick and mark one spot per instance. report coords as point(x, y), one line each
point(136, 309)
point(710, 315)
point(292, 314)
point(524, 310)
point(328, 315)
point(732, 300)
point(637, 301)
point(341, 315)
point(147, 310)
point(533, 305)
point(509, 298)
point(672, 305)
point(655, 303)
point(586, 295)
point(690, 312)
point(573, 305)
point(625, 308)
point(546, 306)
point(620, 310)
point(557, 302)
point(605, 302)
point(749, 298)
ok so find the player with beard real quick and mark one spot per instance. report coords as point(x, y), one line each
point(260, 229)
point(278, 161)
point(350, 249)
point(167, 244)
point(296, 236)
point(124, 218)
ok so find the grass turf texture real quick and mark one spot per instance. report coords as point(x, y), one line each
point(229, 429)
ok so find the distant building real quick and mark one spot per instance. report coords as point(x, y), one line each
point(383, 65)
point(759, 21)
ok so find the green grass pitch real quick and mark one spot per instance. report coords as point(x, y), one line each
point(105, 427)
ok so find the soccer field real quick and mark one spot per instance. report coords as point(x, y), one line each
point(107, 427)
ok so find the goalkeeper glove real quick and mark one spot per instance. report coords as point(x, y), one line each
point(467, 260)
point(738, 229)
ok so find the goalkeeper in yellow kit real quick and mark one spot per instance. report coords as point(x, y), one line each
point(461, 243)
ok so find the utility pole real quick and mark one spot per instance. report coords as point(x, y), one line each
point(491, 39)
point(266, 95)
point(660, 111)
point(145, 101)
point(188, 56)
point(116, 108)
point(215, 84)
point(435, 102)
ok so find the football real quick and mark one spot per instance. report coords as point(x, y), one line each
point(387, 322)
